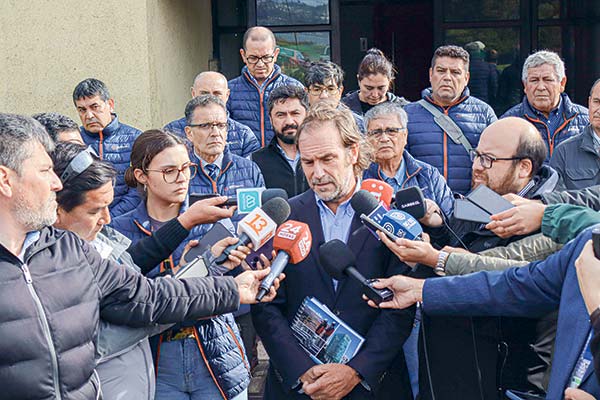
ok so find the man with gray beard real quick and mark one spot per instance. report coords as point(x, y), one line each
point(279, 161)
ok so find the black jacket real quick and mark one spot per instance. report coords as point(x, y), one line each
point(352, 101)
point(51, 305)
point(577, 161)
point(277, 172)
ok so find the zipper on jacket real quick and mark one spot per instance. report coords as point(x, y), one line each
point(46, 329)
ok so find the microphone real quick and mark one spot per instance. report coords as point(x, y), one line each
point(369, 209)
point(258, 226)
point(402, 225)
point(412, 201)
point(269, 194)
point(339, 261)
point(379, 189)
point(292, 243)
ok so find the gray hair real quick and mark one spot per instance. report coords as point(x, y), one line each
point(204, 100)
point(321, 71)
point(597, 81)
point(544, 57)
point(18, 134)
point(386, 108)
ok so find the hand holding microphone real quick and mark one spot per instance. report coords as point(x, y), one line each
point(292, 242)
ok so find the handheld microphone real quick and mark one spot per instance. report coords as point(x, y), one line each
point(369, 209)
point(292, 243)
point(379, 189)
point(412, 201)
point(258, 226)
point(402, 225)
point(339, 261)
point(271, 193)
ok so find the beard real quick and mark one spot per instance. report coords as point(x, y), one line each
point(505, 185)
point(34, 218)
point(289, 138)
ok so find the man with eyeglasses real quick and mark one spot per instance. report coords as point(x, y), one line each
point(240, 138)
point(508, 159)
point(250, 91)
point(324, 81)
point(279, 162)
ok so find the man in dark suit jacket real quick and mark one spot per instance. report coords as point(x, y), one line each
point(333, 157)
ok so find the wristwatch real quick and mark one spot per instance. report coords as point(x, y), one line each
point(440, 267)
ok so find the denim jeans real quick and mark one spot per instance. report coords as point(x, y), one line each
point(182, 374)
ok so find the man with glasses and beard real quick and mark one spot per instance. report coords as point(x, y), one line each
point(279, 161)
point(251, 90)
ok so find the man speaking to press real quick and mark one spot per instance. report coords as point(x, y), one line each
point(55, 286)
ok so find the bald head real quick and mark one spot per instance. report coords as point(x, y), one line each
point(259, 34)
point(210, 82)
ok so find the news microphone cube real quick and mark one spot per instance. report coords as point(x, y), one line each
point(248, 199)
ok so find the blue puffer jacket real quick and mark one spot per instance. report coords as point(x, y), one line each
point(428, 143)
point(424, 176)
point(237, 172)
point(114, 144)
point(575, 118)
point(219, 337)
point(240, 139)
point(248, 101)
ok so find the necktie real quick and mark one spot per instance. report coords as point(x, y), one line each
point(213, 171)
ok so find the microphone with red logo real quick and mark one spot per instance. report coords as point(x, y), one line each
point(292, 243)
point(380, 190)
point(259, 226)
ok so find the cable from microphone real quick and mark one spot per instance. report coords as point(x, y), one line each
point(339, 261)
point(259, 226)
point(292, 242)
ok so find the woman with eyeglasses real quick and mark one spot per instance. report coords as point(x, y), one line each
point(198, 359)
point(375, 76)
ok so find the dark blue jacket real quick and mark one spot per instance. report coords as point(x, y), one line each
point(575, 118)
point(428, 143)
point(384, 330)
point(237, 172)
point(424, 176)
point(483, 80)
point(248, 101)
point(240, 139)
point(352, 101)
point(578, 161)
point(113, 144)
point(219, 337)
point(530, 291)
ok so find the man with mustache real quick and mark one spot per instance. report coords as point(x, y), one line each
point(279, 161)
point(545, 104)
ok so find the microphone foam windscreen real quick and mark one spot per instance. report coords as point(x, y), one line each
point(277, 209)
point(363, 202)
point(411, 201)
point(272, 193)
point(335, 257)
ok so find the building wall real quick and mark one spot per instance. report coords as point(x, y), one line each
point(146, 51)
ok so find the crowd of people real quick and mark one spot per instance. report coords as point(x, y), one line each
point(97, 219)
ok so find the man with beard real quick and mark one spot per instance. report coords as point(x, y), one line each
point(460, 359)
point(333, 155)
point(279, 161)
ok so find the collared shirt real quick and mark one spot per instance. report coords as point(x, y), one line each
point(397, 180)
point(555, 117)
point(335, 226)
point(292, 161)
point(218, 162)
point(30, 239)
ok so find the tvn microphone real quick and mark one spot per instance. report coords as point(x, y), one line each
point(412, 201)
point(339, 261)
point(258, 226)
point(292, 243)
point(379, 189)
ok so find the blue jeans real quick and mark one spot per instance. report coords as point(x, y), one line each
point(182, 374)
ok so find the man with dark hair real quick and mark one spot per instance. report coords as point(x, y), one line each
point(279, 161)
point(508, 159)
point(250, 91)
point(577, 159)
point(111, 139)
point(55, 287)
point(324, 81)
point(60, 127)
point(240, 138)
point(446, 123)
point(545, 104)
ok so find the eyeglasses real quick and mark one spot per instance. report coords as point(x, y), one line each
point(487, 161)
point(390, 132)
point(265, 59)
point(318, 90)
point(207, 126)
point(171, 174)
point(78, 164)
